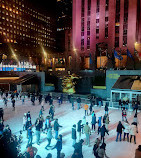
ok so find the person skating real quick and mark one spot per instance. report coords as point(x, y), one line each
point(47, 123)
point(28, 115)
point(135, 119)
point(1, 114)
point(51, 111)
point(119, 130)
point(87, 132)
point(29, 134)
point(49, 137)
point(93, 122)
point(83, 123)
point(13, 104)
point(102, 151)
point(106, 108)
point(5, 101)
point(126, 130)
point(86, 109)
point(24, 121)
point(76, 154)
point(58, 145)
point(38, 127)
point(56, 128)
point(91, 108)
point(133, 131)
point(96, 146)
point(1, 127)
point(79, 127)
point(78, 103)
point(78, 147)
point(107, 121)
point(99, 123)
point(72, 102)
point(124, 114)
point(103, 130)
point(74, 134)
point(136, 107)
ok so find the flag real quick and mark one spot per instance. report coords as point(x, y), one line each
point(119, 57)
point(129, 55)
point(91, 61)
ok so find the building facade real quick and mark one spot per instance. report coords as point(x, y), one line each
point(101, 26)
point(25, 29)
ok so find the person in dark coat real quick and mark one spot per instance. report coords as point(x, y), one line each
point(33, 99)
point(136, 107)
point(96, 146)
point(124, 114)
point(13, 104)
point(51, 111)
point(76, 154)
point(103, 131)
point(78, 103)
point(72, 102)
point(106, 108)
point(74, 134)
point(1, 113)
point(91, 108)
point(40, 98)
point(93, 122)
point(28, 115)
point(79, 126)
point(38, 127)
point(78, 146)
point(58, 145)
point(1, 127)
point(119, 130)
point(56, 128)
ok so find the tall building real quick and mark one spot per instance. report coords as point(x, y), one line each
point(105, 24)
point(25, 29)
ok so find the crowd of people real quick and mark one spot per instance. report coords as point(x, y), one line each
point(99, 127)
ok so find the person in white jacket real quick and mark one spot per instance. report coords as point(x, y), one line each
point(24, 121)
point(126, 130)
point(133, 131)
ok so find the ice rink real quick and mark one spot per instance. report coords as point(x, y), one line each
point(67, 117)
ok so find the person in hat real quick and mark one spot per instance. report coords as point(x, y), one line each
point(138, 152)
point(74, 134)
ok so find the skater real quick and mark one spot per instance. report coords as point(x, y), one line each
point(72, 102)
point(107, 121)
point(33, 99)
point(78, 103)
point(38, 127)
point(133, 131)
point(79, 126)
point(47, 123)
point(5, 101)
point(96, 146)
point(87, 132)
point(102, 151)
point(1, 114)
point(126, 130)
point(119, 130)
point(40, 99)
point(124, 114)
point(29, 132)
point(91, 108)
point(1, 127)
point(49, 137)
point(86, 109)
point(83, 123)
point(13, 104)
point(93, 122)
point(74, 134)
point(136, 107)
point(135, 119)
point(51, 111)
point(24, 121)
point(69, 98)
point(103, 130)
point(23, 99)
point(28, 115)
point(106, 108)
point(56, 128)
point(58, 145)
point(99, 123)
point(78, 147)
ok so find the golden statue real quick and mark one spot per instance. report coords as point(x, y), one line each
point(68, 83)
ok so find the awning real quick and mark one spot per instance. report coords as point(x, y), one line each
point(128, 83)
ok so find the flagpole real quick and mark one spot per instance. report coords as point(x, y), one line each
point(127, 58)
point(120, 60)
